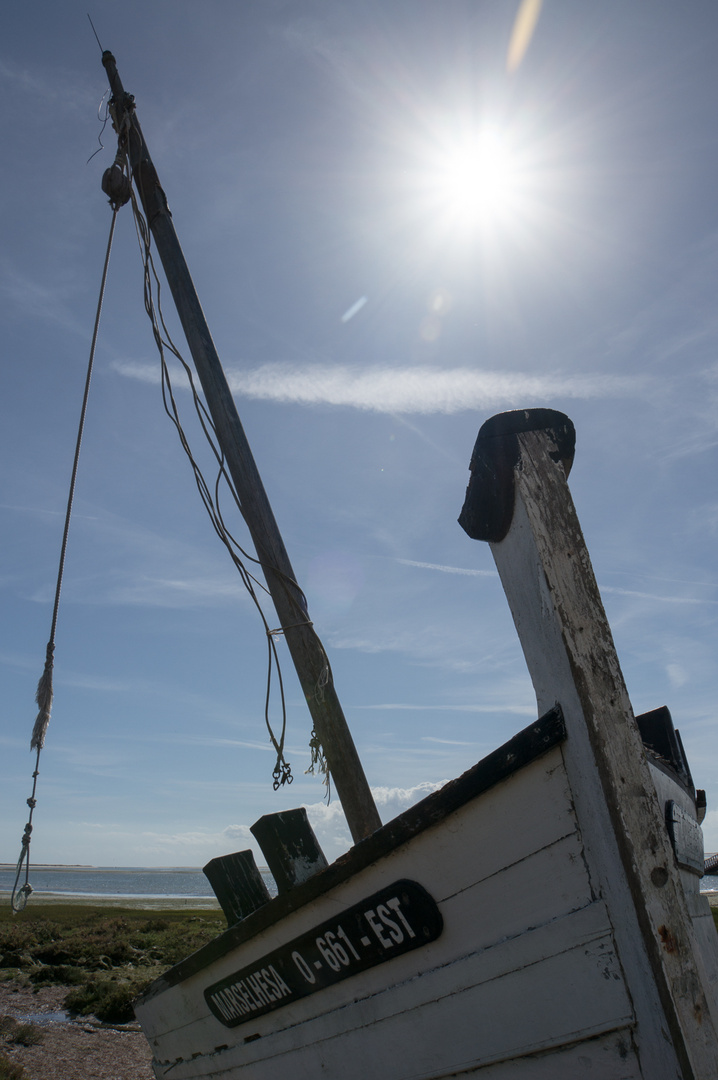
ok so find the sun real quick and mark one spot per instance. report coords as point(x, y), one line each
point(476, 184)
point(480, 180)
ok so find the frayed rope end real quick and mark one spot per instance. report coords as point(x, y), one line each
point(43, 697)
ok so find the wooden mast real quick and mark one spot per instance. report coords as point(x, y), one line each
point(304, 645)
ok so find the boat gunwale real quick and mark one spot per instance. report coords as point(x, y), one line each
point(529, 744)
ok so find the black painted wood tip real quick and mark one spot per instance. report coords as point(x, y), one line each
point(489, 504)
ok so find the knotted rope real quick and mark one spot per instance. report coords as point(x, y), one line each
point(44, 693)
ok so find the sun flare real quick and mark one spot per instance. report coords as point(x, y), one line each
point(480, 180)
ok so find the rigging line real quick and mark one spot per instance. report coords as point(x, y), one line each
point(205, 421)
point(44, 694)
point(212, 506)
point(159, 328)
point(94, 32)
point(103, 120)
point(107, 111)
point(282, 771)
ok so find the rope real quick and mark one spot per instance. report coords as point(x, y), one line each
point(44, 693)
point(282, 773)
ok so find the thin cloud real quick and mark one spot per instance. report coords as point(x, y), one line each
point(694, 444)
point(149, 591)
point(406, 390)
point(701, 584)
point(56, 85)
point(309, 37)
point(523, 710)
point(19, 661)
point(44, 511)
point(445, 742)
point(143, 371)
point(44, 302)
point(139, 579)
point(448, 569)
point(417, 389)
point(14, 743)
point(99, 683)
point(206, 741)
point(658, 599)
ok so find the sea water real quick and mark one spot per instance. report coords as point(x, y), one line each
point(180, 883)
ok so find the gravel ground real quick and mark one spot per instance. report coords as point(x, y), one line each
point(80, 1049)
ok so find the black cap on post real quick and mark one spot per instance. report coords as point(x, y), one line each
point(489, 504)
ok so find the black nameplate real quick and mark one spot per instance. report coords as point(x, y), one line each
point(389, 923)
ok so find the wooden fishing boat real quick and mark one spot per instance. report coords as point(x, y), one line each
point(421, 953)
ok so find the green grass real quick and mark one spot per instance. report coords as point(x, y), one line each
point(109, 999)
point(108, 954)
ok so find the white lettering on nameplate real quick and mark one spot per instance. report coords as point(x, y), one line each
point(393, 921)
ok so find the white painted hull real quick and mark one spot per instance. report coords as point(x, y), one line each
point(527, 968)
point(572, 944)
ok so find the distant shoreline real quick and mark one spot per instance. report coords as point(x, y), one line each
point(79, 869)
point(49, 866)
point(139, 903)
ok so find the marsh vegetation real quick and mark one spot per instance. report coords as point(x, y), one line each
point(105, 956)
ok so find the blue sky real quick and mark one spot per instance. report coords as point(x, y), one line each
point(369, 320)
